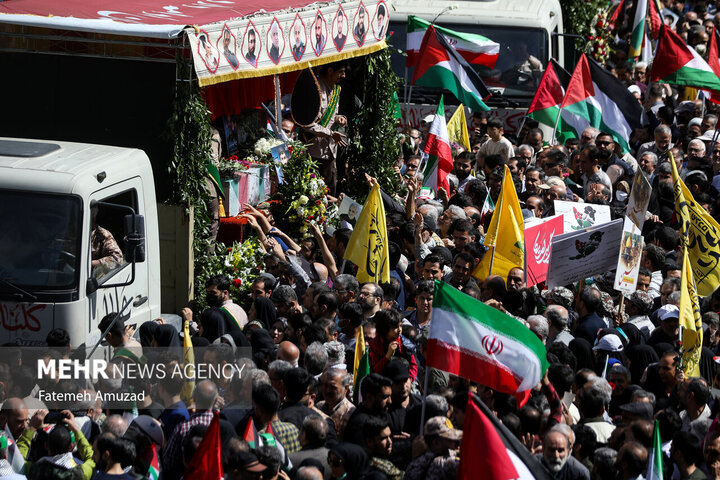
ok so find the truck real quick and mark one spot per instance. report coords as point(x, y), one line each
point(63, 204)
point(532, 25)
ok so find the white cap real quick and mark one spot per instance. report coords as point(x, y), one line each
point(429, 119)
point(609, 343)
point(668, 312)
point(695, 121)
point(634, 89)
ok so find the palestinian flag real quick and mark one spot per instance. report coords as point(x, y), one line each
point(503, 456)
point(154, 471)
point(655, 459)
point(441, 66)
point(361, 363)
point(638, 29)
point(477, 342)
point(437, 146)
point(545, 106)
point(251, 434)
point(475, 49)
point(595, 98)
point(206, 464)
point(679, 64)
point(714, 63)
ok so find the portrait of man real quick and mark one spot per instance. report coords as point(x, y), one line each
point(340, 36)
point(360, 28)
point(251, 55)
point(319, 37)
point(208, 53)
point(228, 51)
point(381, 18)
point(274, 47)
point(298, 39)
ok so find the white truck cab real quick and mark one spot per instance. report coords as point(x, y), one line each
point(53, 196)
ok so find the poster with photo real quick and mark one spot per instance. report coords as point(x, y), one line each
point(578, 255)
point(340, 28)
point(227, 44)
point(349, 211)
point(298, 38)
point(232, 135)
point(628, 265)
point(639, 199)
point(579, 216)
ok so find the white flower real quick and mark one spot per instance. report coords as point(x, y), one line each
point(300, 211)
point(303, 200)
point(313, 185)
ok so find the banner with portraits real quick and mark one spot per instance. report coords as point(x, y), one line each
point(286, 41)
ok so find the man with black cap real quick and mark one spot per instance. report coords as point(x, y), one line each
point(636, 411)
point(402, 399)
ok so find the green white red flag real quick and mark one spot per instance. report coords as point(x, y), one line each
point(655, 461)
point(475, 49)
point(678, 64)
point(441, 66)
point(714, 63)
point(206, 464)
point(437, 146)
point(477, 342)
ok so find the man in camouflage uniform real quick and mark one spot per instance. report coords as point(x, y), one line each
point(440, 461)
point(378, 444)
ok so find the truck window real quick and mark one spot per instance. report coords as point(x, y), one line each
point(106, 234)
point(39, 241)
point(517, 73)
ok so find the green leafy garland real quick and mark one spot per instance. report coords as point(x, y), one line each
point(588, 18)
point(375, 148)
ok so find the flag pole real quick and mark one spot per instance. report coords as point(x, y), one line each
point(424, 396)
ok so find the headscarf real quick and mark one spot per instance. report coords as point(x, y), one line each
point(167, 336)
point(639, 357)
point(707, 365)
point(582, 350)
point(214, 323)
point(663, 347)
point(632, 334)
point(146, 332)
point(263, 346)
point(265, 312)
point(354, 459)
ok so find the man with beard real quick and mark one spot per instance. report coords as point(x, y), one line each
point(606, 144)
point(250, 55)
point(516, 279)
point(319, 37)
point(661, 146)
point(647, 162)
point(557, 458)
point(299, 46)
point(370, 299)
point(274, 51)
point(402, 399)
point(463, 167)
point(534, 177)
point(381, 21)
point(341, 37)
point(462, 266)
point(360, 29)
point(376, 391)
point(379, 446)
point(230, 56)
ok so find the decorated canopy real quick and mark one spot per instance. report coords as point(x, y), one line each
point(229, 39)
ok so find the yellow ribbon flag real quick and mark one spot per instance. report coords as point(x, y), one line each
point(700, 233)
point(368, 245)
point(690, 321)
point(507, 251)
point(457, 128)
point(188, 359)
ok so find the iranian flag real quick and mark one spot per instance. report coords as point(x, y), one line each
point(638, 29)
point(595, 98)
point(477, 342)
point(441, 66)
point(437, 146)
point(655, 461)
point(545, 106)
point(475, 49)
point(679, 64)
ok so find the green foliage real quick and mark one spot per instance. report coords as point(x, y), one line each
point(375, 148)
point(189, 128)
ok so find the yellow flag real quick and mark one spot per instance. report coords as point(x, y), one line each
point(690, 321)
point(189, 359)
point(368, 245)
point(457, 128)
point(700, 233)
point(506, 251)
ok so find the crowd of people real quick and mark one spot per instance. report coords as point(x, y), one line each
point(291, 408)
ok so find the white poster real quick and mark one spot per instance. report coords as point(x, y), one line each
point(639, 199)
point(628, 265)
point(582, 254)
point(579, 216)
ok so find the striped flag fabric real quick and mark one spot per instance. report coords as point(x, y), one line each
point(678, 64)
point(487, 209)
point(655, 459)
point(439, 163)
point(545, 105)
point(206, 464)
point(475, 49)
point(441, 66)
point(714, 64)
point(17, 462)
point(154, 470)
point(361, 363)
point(503, 456)
point(475, 341)
point(638, 29)
point(250, 435)
point(595, 98)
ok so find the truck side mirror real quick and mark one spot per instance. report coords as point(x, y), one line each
point(134, 238)
point(91, 286)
